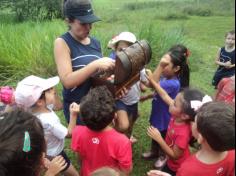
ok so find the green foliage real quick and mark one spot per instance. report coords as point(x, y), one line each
point(173, 16)
point(201, 11)
point(36, 9)
point(179, 9)
point(27, 49)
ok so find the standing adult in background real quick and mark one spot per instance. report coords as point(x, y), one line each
point(77, 55)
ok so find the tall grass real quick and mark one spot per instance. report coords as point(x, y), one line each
point(186, 7)
point(26, 49)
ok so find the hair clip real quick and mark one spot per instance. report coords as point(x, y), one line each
point(2, 117)
point(27, 145)
point(196, 104)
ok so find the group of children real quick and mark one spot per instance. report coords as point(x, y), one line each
point(32, 136)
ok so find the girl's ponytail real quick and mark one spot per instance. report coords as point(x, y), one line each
point(179, 55)
point(184, 76)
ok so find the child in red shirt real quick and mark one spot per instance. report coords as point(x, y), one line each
point(215, 131)
point(98, 144)
point(226, 91)
point(176, 144)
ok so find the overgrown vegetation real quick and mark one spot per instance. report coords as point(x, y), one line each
point(33, 9)
point(186, 7)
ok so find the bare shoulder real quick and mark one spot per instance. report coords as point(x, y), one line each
point(59, 41)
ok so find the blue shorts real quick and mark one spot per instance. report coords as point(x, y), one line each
point(132, 110)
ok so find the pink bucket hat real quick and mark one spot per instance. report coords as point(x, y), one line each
point(6, 94)
point(29, 90)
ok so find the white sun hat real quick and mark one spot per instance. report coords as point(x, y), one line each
point(124, 36)
point(29, 90)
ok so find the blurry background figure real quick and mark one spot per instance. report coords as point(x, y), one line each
point(226, 91)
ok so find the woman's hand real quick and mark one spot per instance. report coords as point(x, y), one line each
point(104, 64)
point(155, 134)
point(157, 173)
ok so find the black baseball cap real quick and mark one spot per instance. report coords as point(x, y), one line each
point(81, 10)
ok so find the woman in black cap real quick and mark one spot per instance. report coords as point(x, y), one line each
point(78, 56)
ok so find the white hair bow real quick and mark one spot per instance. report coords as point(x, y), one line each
point(196, 104)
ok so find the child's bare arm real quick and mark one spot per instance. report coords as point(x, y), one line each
point(143, 86)
point(74, 110)
point(218, 62)
point(163, 94)
point(174, 153)
point(146, 97)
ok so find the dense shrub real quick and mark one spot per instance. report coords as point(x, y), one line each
point(201, 11)
point(174, 16)
point(36, 9)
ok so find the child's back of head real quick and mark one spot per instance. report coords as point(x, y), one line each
point(21, 144)
point(216, 124)
point(189, 96)
point(98, 108)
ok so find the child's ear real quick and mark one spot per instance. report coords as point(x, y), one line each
point(39, 102)
point(185, 117)
point(200, 139)
point(177, 69)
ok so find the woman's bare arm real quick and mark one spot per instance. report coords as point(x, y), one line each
point(72, 79)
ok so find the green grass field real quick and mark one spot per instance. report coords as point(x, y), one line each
point(27, 48)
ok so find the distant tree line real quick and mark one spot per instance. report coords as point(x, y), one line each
point(33, 9)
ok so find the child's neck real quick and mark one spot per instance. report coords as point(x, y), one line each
point(108, 128)
point(40, 110)
point(229, 48)
point(209, 156)
point(171, 77)
point(179, 121)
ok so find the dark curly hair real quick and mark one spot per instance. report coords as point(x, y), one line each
point(98, 108)
point(13, 160)
point(216, 123)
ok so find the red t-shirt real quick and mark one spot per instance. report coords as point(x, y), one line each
point(192, 166)
point(100, 149)
point(226, 91)
point(178, 135)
